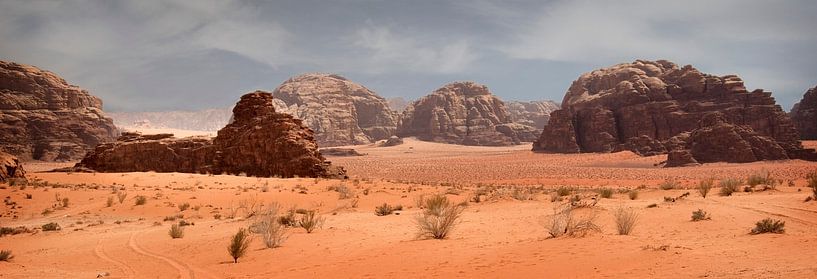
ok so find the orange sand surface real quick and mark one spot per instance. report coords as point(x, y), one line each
point(498, 237)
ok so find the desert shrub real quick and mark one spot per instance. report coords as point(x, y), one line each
point(563, 191)
point(51, 227)
point(554, 197)
point(763, 178)
point(700, 215)
point(606, 193)
point(439, 217)
point(632, 194)
point(13, 231)
point(704, 186)
point(344, 192)
point(271, 230)
point(311, 221)
point(184, 206)
point(288, 219)
point(652, 205)
point(729, 186)
point(239, 244)
point(141, 200)
point(5, 255)
point(28, 196)
point(64, 202)
point(383, 210)
point(626, 219)
point(669, 184)
point(176, 231)
point(109, 203)
point(769, 225)
point(564, 222)
point(121, 196)
point(811, 179)
point(522, 194)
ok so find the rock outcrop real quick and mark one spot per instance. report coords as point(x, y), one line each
point(641, 106)
point(463, 113)
point(340, 111)
point(804, 115)
point(716, 140)
point(532, 113)
point(42, 117)
point(257, 142)
point(10, 167)
point(200, 120)
point(393, 141)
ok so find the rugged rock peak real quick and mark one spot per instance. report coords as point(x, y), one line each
point(640, 106)
point(462, 113)
point(340, 111)
point(43, 117)
point(532, 113)
point(258, 142)
point(10, 167)
point(804, 115)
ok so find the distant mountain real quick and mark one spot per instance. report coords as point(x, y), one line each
point(532, 113)
point(202, 120)
point(398, 104)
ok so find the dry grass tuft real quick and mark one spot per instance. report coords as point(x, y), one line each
point(769, 225)
point(176, 231)
point(626, 218)
point(439, 217)
point(729, 186)
point(563, 222)
point(704, 186)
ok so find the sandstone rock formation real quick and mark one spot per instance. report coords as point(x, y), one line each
point(641, 106)
point(10, 167)
point(398, 104)
point(716, 140)
point(43, 117)
point(340, 152)
point(532, 113)
point(257, 142)
point(463, 113)
point(393, 141)
point(804, 115)
point(200, 120)
point(340, 111)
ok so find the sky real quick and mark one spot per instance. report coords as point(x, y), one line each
point(187, 55)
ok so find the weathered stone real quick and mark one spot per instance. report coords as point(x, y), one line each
point(804, 115)
point(340, 111)
point(533, 113)
point(340, 152)
point(635, 106)
point(42, 117)
point(393, 141)
point(462, 113)
point(257, 142)
point(10, 167)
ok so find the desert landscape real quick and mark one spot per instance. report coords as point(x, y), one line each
point(397, 139)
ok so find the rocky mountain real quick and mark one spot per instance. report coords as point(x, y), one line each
point(10, 167)
point(42, 117)
point(258, 142)
point(531, 113)
point(804, 115)
point(641, 106)
point(201, 120)
point(463, 113)
point(340, 111)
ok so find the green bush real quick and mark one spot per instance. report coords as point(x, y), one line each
point(769, 225)
point(239, 244)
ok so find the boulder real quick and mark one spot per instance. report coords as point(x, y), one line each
point(804, 115)
point(462, 113)
point(258, 141)
point(42, 117)
point(340, 111)
point(10, 167)
point(643, 105)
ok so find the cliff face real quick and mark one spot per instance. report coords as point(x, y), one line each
point(640, 106)
point(340, 111)
point(463, 113)
point(42, 117)
point(804, 115)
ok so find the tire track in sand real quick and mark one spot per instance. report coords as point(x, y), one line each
point(100, 252)
point(185, 272)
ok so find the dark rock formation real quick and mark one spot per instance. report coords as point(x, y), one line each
point(43, 117)
point(716, 140)
point(462, 113)
point(641, 106)
point(258, 142)
point(340, 152)
point(393, 141)
point(10, 167)
point(804, 115)
point(340, 111)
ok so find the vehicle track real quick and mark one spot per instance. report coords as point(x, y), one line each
point(184, 270)
point(100, 252)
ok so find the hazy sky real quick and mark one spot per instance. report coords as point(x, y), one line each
point(162, 55)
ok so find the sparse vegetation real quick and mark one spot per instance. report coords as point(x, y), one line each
point(700, 215)
point(51, 227)
point(239, 244)
point(184, 206)
point(704, 186)
point(310, 221)
point(652, 205)
point(439, 217)
point(669, 184)
point(563, 222)
point(267, 225)
point(109, 203)
point(626, 218)
point(176, 231)
point(344, 192)
point(729, 186)
point(383, 210)
point(632, 194)
point(769, 225)
point(5, 255)
point(764, 179)
point(141, 200)
point(811, 179)
point(121, 196)
point(606, 193)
